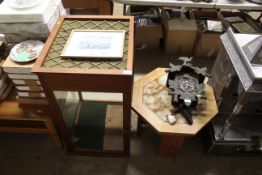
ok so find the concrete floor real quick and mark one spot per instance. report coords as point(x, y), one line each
point(35, 154)
point(31, 154)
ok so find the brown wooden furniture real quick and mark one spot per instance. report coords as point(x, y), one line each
point(17, 118)
point(27, 84)
point(69, 77)
point(27, 119)
point(152, 87)
point(104, 7)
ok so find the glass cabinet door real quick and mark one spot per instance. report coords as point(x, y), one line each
point(94, 120)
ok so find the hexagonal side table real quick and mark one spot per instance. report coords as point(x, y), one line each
point(152, 102)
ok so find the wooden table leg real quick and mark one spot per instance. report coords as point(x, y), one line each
point(53, 134)
point(139, 127)
point(170, 145)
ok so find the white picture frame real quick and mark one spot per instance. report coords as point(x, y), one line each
point(95, 44)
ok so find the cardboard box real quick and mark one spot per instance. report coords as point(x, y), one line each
point(18, 32)
point(208, 42)
point(179, 35)
point(38, 13)
point(208, 45)
point(147, 36)
point(223, 15)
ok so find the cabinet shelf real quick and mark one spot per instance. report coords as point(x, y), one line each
point(15, 118)
point(96, 126)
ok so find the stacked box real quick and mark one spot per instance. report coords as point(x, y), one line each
point(27, 84)
point(38, 13)
point(148, 26)
point(5, 83)
point(179, 35)
point(208, 41)
point(249, 25)
point(32, 24)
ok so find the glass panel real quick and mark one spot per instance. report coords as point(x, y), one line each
point(93, 119)
point(68, 102)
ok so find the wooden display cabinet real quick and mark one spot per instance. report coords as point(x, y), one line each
point(90, 99)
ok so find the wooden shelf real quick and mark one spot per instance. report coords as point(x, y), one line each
point(15, 118)
point(12, 111)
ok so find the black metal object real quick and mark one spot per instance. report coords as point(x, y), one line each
point(244, 138)
point(186, 87)
point(185, 111)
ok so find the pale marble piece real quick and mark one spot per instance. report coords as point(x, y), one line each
point(171, 119)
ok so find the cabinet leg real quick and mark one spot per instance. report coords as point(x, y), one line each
point(56, 140)
point(53, 134)
point(170, 145)
point(139, 126)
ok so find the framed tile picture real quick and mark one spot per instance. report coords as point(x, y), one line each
point(95, 44)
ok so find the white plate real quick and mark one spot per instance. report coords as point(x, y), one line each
point(24, 4)
point(26, 51)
